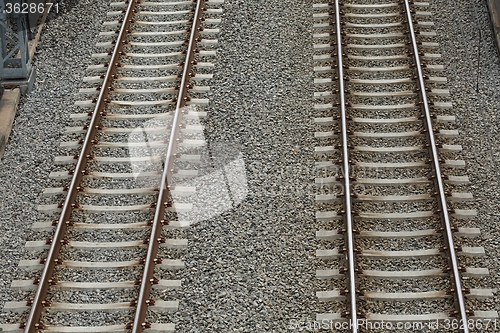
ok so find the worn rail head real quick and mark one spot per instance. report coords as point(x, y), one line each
point(445, 218)
point(349, 236)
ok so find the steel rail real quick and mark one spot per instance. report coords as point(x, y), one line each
point(435, 160)
point(147, 279)
point(32, 324)
point(346, 173)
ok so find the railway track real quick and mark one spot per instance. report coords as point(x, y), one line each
point(113, 230)
point(392, 204)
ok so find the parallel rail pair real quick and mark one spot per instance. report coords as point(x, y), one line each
point(159, 33)
point(385, 69)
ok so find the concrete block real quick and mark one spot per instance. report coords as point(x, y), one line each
point(8, 107)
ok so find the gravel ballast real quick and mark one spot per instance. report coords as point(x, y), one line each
point(473, 71)
point(252, 268)
point(63, 54)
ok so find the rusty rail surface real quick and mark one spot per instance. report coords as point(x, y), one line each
point(158, 221)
